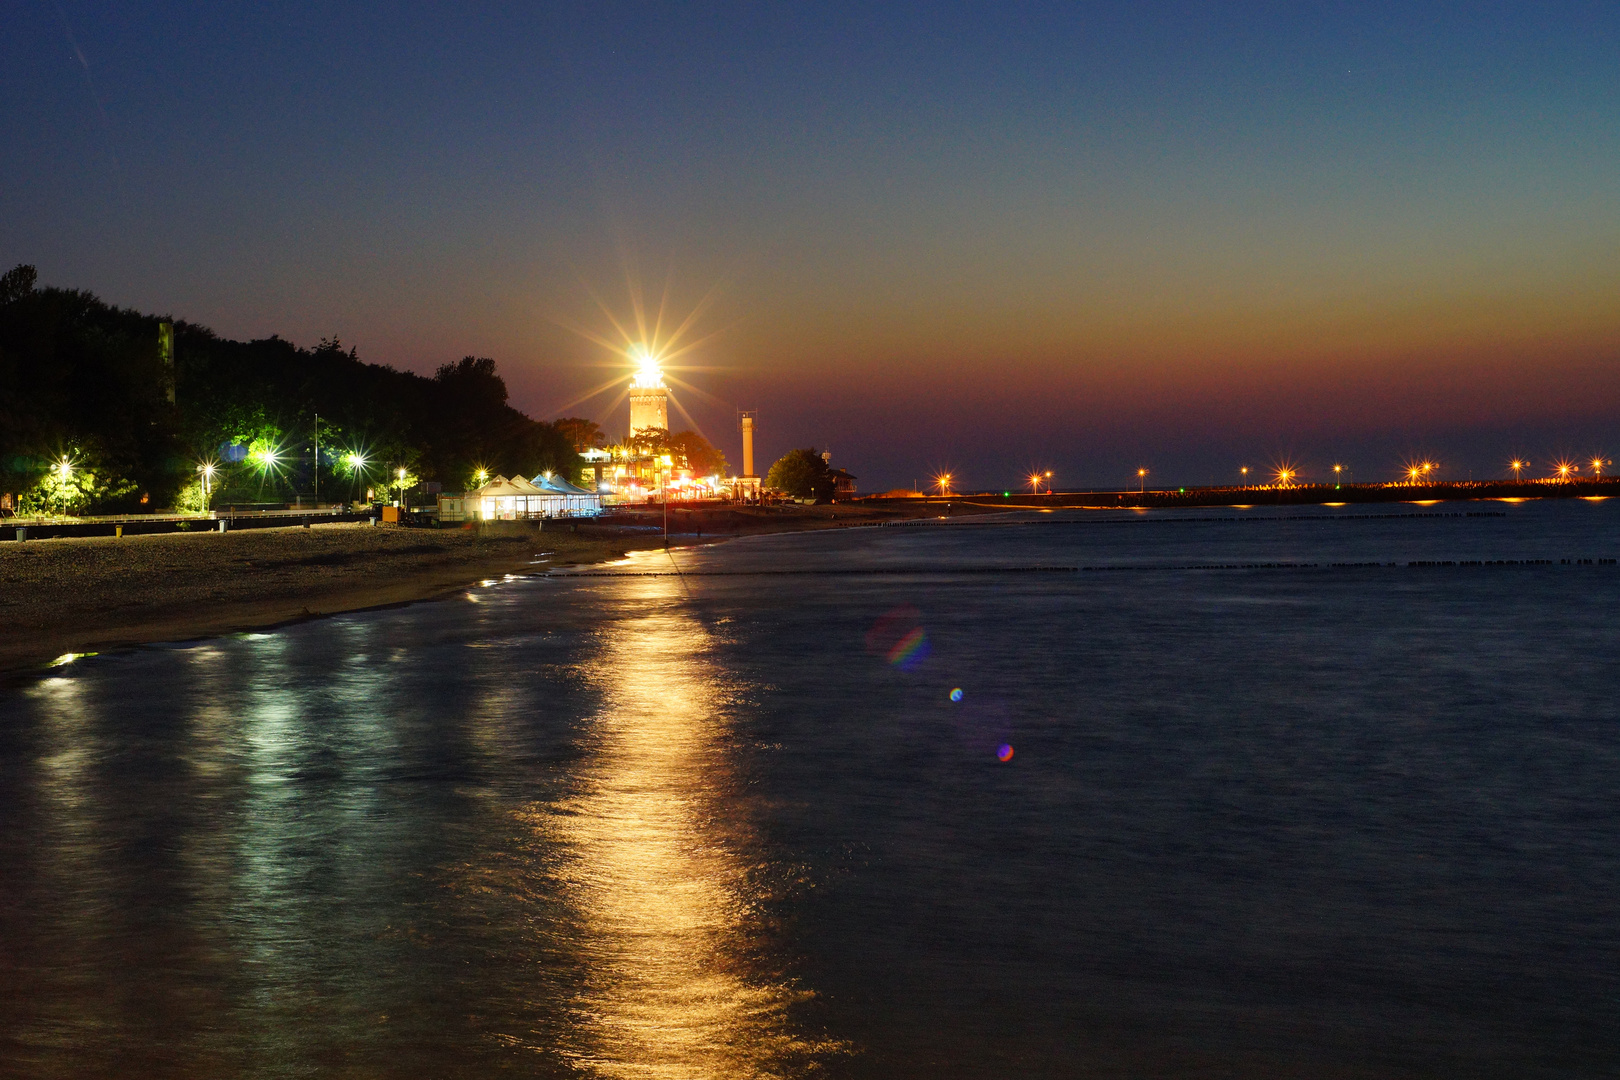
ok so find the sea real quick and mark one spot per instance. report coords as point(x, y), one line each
point(1242, 792)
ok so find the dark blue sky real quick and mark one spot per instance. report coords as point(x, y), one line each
point(1090, 237)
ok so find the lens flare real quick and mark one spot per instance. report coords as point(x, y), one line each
point(1004, 751)
point(910, 650)
point(956, 694)
point(899, 638)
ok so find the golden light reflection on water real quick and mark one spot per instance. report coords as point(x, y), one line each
point(655, 870)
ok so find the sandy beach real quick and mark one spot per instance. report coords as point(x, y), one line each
point(94, 594)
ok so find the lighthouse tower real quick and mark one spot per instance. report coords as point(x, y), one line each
point(649, 397)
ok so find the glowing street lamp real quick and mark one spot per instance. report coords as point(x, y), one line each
point(943, 482)
point(206, 471)
point(1565, 469)
point(1035, 479)
point(63, 470)
point(1141, 476)
point(1284, 476)
point(1597, 467)
point(1518, 467)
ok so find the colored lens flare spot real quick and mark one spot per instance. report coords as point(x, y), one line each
point(899, 638)
point(1004, 751)
point(956, 694)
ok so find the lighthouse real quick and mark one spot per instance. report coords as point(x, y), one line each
point(649, 397)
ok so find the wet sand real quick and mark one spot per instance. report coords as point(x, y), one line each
point(94, 594)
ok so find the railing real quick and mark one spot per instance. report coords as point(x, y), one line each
point(211, 515)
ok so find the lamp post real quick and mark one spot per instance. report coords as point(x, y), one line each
point(1141, 476)
point(64, 473)
point(206, 471)
point(1518, 467)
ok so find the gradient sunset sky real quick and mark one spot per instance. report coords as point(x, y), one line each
point(1084, 237)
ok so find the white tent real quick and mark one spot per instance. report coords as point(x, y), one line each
point(576, 501)
point(517, 499)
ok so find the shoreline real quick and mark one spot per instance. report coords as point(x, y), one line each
point(75, 596)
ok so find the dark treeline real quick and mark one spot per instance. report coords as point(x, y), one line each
point(86, 383)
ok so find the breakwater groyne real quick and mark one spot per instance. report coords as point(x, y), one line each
point(1275, 495)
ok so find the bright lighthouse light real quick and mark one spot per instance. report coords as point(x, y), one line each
point(649, 374)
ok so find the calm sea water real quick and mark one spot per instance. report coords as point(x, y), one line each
point(1298, 820)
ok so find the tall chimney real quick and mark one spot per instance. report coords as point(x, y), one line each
point(748, 443)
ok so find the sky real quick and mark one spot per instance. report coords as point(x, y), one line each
point(981, 238)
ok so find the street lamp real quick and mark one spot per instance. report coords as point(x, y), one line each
point(206, 470)
point(1284, 475)
point(1244, 472)
point(1597, 467)
point(943, 482)
point(64, 472)
point(1141, 475)
point(1517, 466)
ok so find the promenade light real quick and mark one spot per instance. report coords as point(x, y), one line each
point(1141, 475)
point(1284, 476)
point(943, 482)
point(63, 468)
point(1597, 466)
point(1565, 469)
point(1338, 469)
point(1517, 466)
